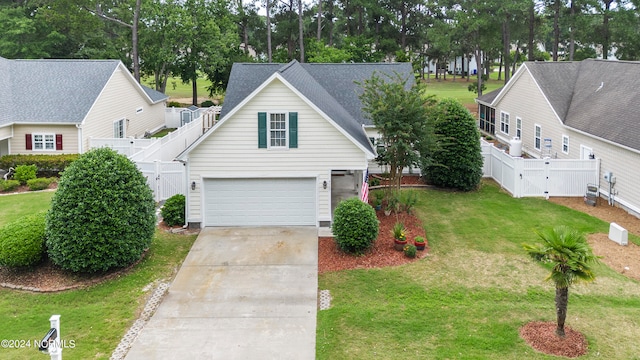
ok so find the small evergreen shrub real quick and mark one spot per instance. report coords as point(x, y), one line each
point(9, 185)
point(47, 165)
point(173, 210)
point(22, 241)
point(102, 216)
point(355, 226)
point(410, 250)
point(39, 183)
point(25, 173)
point(207, 103)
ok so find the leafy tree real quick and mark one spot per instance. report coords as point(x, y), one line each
point(399, 112)
point(102, 216)
point(571, 258)
point(458, 162)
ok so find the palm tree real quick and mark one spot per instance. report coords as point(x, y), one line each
point(569, 253)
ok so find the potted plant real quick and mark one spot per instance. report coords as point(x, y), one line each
point(378, 203)
point(409, 251)
point(399, 237)
point(419, 242)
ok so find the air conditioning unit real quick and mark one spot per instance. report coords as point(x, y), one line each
point(618, 234)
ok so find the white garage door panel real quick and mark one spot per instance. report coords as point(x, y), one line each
point(255, 202)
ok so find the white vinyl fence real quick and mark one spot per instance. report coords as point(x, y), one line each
point(539, 177)
point(165, 178)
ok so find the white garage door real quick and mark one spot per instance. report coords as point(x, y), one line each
point(257, 202)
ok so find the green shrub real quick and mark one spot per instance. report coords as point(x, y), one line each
point(410, 250)
point(102, 216)
point(174, 104)
point(47, 165)
point(25, 173)
point(207, 103)
point(173, 210)
point(408, 199)
point(22, 241)
point(39, 183)
point(355, 226)
point(9, 185)
point(458, 162)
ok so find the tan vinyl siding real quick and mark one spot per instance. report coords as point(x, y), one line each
point(525, 101)
point(69, 138)
point(232, 151)
point(6, 132)
point(119, 100)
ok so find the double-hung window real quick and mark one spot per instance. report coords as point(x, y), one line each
point(278, 130)
point(537, 138)
point(118, 129)
point(565, 144)
point(518, 128)
point(45, 142)
point(504, 122)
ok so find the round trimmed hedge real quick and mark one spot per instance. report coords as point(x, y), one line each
point(355, 226)
point(102, 216)
point(173, 210)
point(22, 241)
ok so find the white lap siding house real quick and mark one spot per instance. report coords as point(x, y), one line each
point(575, 110)
point(55, 106)
point(284, 129)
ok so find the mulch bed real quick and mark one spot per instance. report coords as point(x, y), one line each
point(542, 337)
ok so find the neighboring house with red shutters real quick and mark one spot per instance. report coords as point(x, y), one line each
point(56, 106)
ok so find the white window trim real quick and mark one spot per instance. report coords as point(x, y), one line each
point(535, 136)
point(519, 127)
point(124, 128)
point(565, 137)
point(286, 130)
point(44, 141)
point(504, 125)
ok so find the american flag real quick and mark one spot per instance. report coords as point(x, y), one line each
point(364, 196)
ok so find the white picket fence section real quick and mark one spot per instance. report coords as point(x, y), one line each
point(539, 177)
point(165, 178)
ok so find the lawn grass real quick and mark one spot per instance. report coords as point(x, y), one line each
point(13, 207)
point(177, 89)
point(95, 318)
point(469, 297)
point(458, 89)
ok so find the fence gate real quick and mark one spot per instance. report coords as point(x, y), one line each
point(165, 178)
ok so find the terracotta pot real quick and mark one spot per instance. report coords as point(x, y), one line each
point(399, 244)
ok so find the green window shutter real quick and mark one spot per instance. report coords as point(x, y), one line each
point(262, 130)
point(293, 130)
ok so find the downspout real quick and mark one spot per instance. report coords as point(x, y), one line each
point(185, 163)
point(80, 144)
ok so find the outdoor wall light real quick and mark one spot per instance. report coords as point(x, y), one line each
point(324, 184)
point(193, 185)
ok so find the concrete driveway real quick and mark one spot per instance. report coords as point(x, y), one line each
point(241, 293)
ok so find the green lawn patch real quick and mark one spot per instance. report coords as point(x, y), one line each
point(469, 297)
point(95, 318)
point(13, 207)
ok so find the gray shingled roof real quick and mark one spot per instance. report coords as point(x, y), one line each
point(154, 95)
point(594, 96)
point(331, 87)
point(54, 91)
point(490, 96)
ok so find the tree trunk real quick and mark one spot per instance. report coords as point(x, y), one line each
point(556, 29)
point(480, 70)
point(506, 37)
point(572, 31)
point(134, 41)
point(330, 22)
point(319, 36)
point(300, 31)
point(194, 89)
point(605, 30)
point(562, 301)
point(269, 54)
point(531, 40)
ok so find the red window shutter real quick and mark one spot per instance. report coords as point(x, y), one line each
point(28, 142)
point(58, 141)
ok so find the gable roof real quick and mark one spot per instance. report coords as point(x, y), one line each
point(592, 96)
point(57, 91)
point(329, 88)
